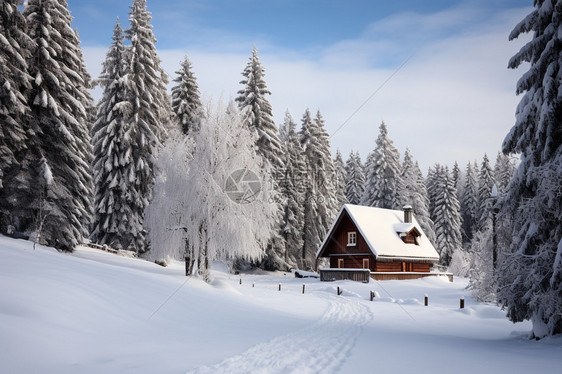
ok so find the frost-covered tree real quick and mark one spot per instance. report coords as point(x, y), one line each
point(340, 178)
point(146, 80)
point(166, 216)
point(116, 222)
point(15, 46)
point(446, 216)
point(530, 283)
point(186, 102)
point(59, 100)
point(228, 213)
point(469, 203)
point(320, 206)
point(292, 191)
point(383, 181)
point(415, 194)
point(355, 182)
point(257, 112)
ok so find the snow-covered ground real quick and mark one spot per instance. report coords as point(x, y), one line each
point(95, 312)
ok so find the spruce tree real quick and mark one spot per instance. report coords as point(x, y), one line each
point(485, 185)
point(257, 112)
point(355, 183)
point(292, 192)
point(113, 164)
point(384, 184)
point(469, 204)
point(340, 180)
point(186, 102)
point(458, 180)
point(145, 77)
point(415, 194)
point(446, 217)
point(531, 283)
point(148, 102)
point(320, 200)
point(14, 111)
point(59, 100)
point(503, 172)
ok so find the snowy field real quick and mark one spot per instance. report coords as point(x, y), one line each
point(94, 312)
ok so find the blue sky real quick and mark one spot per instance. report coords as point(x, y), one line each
point(453, 100)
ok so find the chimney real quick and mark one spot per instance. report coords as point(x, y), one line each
point(408, 211)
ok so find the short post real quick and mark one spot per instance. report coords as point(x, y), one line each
point(240, 280)
point(340, 291)
point(303, 288)
point(279, 286)
point(253, 284)
point(425, 300)
point(372, 295)
point(462, 303)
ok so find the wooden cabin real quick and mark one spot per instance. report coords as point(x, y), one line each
point(390, 243)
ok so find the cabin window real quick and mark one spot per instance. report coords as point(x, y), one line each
point(352, 238)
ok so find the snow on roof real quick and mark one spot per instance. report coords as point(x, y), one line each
point(380, 227)
point(403, 227)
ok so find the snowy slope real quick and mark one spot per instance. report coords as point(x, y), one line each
point(94, 312)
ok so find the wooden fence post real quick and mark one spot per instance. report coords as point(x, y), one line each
point(340, 291)
point(372, 295)
point(240, 280)
point(253, 284)
point(462, 303)
point(425, 300)
point(303, 288)
point(279, 286)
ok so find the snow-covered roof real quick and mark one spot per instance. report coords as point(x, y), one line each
point(380, 227)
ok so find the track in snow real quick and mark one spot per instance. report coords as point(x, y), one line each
point(322, 347)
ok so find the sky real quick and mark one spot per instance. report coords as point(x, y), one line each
point(434, 71)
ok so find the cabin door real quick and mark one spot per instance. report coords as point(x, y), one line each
point(340, 263)
point(366, 263)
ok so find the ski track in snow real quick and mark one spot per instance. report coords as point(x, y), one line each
point(321, 347)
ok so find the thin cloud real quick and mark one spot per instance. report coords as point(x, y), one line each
point(455, 99)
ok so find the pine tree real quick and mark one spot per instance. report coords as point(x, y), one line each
point(469, 204)
point(503, 172)
point(292, 191)
point(447, 216)
point(148, 102)
point(15, 83)
point(257, 112)
point(384, 184)
point(485, 185)
point(530, 284)
point(458, 180)
point(431, 187)
point(113, 162)
point(415, 194)
point(340, 180)
point(145, 78)
point(186, 103)
point(59, 101)
point(320, 200)
point(355, 183)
